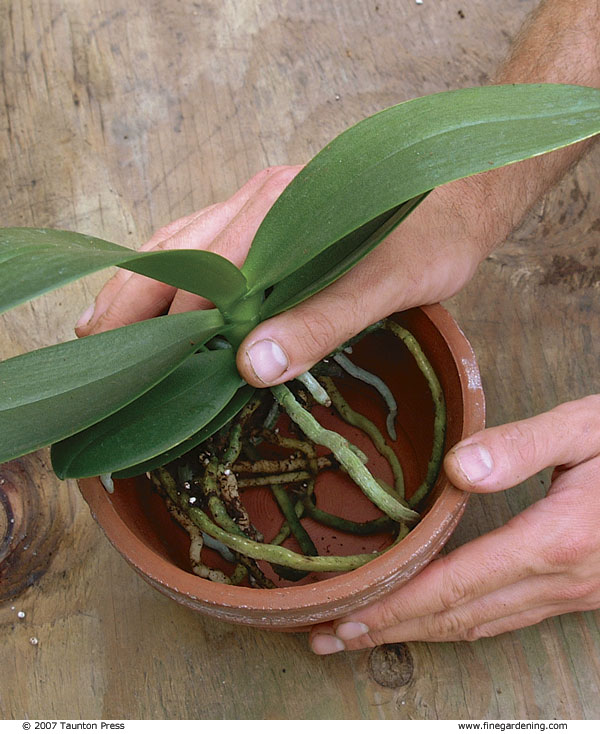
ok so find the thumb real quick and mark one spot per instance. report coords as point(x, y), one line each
point(501, 457)
point(292, 342)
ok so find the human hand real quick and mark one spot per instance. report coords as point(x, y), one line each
point(543, 562)
point(428, 258)
point(226, 228)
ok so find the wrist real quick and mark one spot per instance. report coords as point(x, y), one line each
point(472, 220)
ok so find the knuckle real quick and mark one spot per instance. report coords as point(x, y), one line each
point(318, 334)
point(575, 590)
point(268, 172)
point(579, 423)
point(160, 236)
point(455, 588)
point(253, 184)
point(175, 240)
point(476, 633)
point(564, 555)
point(276, 181)
point(112, 318)
point(164, 244)
point(446, 624)
point(569, 547)
point(387, 618)
point(323, 327)
point(567, 552)
point(260, 177)
point(118, 314)
point(522, 442)
point(351, 304)
point(373, 638)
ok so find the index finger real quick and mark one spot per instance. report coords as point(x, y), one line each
point(486, 564)
point(131, 297)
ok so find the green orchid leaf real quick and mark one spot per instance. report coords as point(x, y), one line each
point(51, 393)
point(405, 151)
point(159, 420)
point(34, 261)
point(233, 407)
point(333, 262)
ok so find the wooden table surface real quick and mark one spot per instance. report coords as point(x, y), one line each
point(116, 118)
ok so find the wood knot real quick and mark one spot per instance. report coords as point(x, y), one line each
point(7, 521)
point(391, 666)
point(11, 514)
point(34, 512)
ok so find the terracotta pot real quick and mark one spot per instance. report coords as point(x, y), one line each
point(137, 523)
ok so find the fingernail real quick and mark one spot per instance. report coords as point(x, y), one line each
point(475, 461)
point(85, 317)
point(268, 360)
point(326, 644)
point(350, 630)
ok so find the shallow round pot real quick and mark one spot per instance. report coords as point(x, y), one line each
point(137, 523)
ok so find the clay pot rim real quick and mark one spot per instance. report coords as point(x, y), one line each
point(433, 530)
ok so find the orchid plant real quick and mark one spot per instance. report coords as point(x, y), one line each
point(129, 400)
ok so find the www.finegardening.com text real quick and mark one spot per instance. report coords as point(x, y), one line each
point(513, 725)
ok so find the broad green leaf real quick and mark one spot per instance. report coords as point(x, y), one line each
point(403, 152)
point(34, 261)
point(159, 420)
point(333, 262)
point(50, 393)
point(233, 407)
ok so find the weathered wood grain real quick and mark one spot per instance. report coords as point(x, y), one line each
point(117, 118)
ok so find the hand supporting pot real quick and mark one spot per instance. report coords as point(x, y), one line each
point(544, 562)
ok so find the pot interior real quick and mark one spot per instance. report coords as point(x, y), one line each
point(383, 354)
